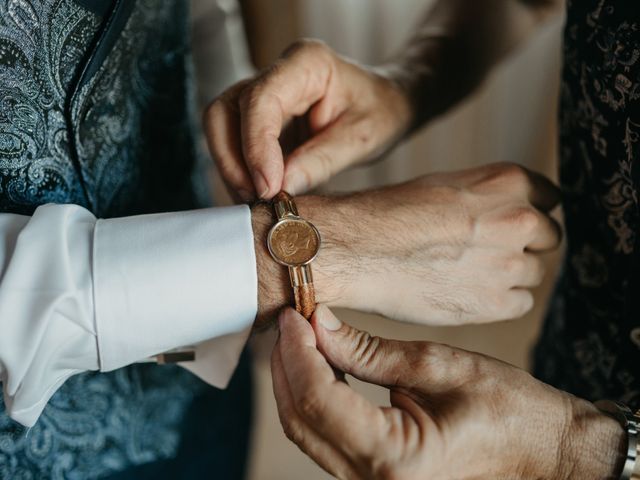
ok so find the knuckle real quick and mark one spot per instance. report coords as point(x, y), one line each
point(310, 404)
point(251, 95)
point(366, 349)
point(524, 219)
point(292, 431)
point(514, 265)
point(504, 175)
point(512, 170)
point(512, 173)
point(423, 358)
point(464, 365)
point(306, 46)
point(425, 350)
point(386, 471)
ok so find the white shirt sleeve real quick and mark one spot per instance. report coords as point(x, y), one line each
point(80, 294)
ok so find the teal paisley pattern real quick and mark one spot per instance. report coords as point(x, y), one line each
point(134, 116)
point(41, 45)
point(95, 111)
point(100, 423)
point(591, 341)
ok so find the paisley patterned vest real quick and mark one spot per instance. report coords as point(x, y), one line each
point(591, 342)
point(95, 111)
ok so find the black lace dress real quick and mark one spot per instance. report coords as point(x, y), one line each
point(591, 341)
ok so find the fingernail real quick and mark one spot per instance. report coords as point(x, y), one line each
point(245, 195)
point(261, 184)
point(327, 319)
point(295, 182)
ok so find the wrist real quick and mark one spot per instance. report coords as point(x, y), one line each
point(330, 268)
point(414, 80)
point(273, 280)
point(594, 444)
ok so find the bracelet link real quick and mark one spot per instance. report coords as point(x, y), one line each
point(631, 424)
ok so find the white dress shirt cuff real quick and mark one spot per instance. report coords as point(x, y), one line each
point(175, 280)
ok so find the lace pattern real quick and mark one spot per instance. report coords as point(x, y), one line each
point(591, 342)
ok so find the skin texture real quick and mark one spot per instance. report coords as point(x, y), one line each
point(453, 415)
point(312, 94)
point(314, 113)
point(444, 249)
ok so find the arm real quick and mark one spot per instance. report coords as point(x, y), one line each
point(453, 414)
point(405, 251)
point(457, 44)
point(77, 293)
point(353, 113)
point(81, 294)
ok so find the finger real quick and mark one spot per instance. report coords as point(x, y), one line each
point(512, 304)
point(520, 227)
point(546, 234)
point(524, 270)
point(387, 362)
point(538, 190)
point(542, 193)
point(347, 141)
point(299, 432)
point(222, 131)
point(290, 88)
point(320, 399)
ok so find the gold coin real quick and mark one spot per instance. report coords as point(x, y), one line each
point(294, 242)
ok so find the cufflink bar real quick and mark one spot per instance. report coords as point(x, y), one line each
point(187, 354)
point(176, 356)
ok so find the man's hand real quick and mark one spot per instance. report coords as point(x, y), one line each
point(453, 415)
point(353, 115)
point(444, 249)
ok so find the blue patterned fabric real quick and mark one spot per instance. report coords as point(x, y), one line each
point(95, 111)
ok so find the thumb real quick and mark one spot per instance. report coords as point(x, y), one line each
point(381, 361)
point(327, 153)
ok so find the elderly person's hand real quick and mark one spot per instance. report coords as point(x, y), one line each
point(444, 249)
point(453, 415)
point(354, 114)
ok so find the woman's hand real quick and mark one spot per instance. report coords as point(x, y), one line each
point(453, 415)
point(352, 115)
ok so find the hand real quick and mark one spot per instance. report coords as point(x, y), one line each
point(445, 249)
point(353, 115)
point(453, 415)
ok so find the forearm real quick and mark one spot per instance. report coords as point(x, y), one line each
point(457, 44)
point(78, 294)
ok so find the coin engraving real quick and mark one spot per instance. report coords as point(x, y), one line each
point(294, 242)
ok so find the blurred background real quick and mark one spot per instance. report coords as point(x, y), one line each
point(511, 118)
